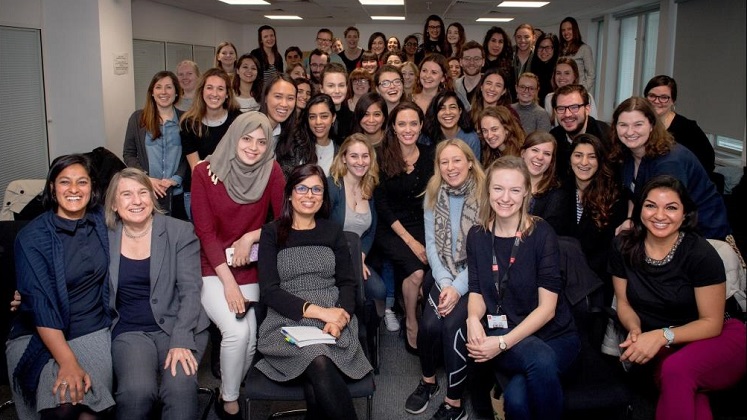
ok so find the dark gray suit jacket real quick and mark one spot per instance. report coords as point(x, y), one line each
point(175, 279)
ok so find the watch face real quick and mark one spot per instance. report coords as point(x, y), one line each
point(669, 334)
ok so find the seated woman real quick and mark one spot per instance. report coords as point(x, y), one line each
point(646, 149)
point(530, 336)
point(451, 209)
point(670, 288)
point(446, 119)
point(59, 348)
point(306, 279)
point(502, 134)
point(352, 179)
point(234, 189)
point(160, 329)
point(548, 200)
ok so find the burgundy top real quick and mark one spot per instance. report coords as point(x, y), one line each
point(219, 221)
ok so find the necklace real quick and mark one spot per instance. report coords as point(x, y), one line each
point(137, 235)
point(667, 258)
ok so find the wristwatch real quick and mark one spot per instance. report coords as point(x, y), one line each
point(668, 335)
point(502, 343)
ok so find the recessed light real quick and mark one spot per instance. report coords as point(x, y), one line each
point(246, 2)
point(494, 20)
point(387, 18)
point(523, 3)
point(283, 17)
point(382, 2)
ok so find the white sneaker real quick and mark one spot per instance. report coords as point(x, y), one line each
point(390, 320)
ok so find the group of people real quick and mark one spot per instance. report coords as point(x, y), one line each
point(457, 193)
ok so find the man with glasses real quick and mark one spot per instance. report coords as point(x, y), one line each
point(571, 105)
point(324, 44)
point(471, 60)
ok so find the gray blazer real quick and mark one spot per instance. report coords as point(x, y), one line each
point(175, 279)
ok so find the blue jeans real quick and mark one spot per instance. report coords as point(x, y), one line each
point(535, 366)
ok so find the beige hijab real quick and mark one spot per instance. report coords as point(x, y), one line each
point(244, 183)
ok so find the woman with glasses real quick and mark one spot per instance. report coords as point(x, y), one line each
point(532, 116)
point(410, 47)
point(661, 91)
point(389, 84)
point(434, 39)
point(543, 63)
point(306, 280)
point(359, 83)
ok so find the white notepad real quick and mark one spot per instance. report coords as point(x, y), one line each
point(303, 336)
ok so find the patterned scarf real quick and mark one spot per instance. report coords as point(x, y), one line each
point(442, 223)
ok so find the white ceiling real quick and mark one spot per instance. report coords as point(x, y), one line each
point(318, 13)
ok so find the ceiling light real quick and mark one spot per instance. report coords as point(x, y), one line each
point(283, 17)
point(387, 18)
point(494, 20)
point(382, 2)
point(523, 3)
point(247, 2)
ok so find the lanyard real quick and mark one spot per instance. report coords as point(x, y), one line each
point(502, 281)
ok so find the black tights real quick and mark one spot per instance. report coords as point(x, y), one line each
point(72, 412)
point(327, 394)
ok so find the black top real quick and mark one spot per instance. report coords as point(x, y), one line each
point(343, 124)
point(553, 207)
point(204, 145)
point(133, 297)
point(350, 65)
point(536, 265)
point(664, 296)
point(687, 133)
point(86, 265)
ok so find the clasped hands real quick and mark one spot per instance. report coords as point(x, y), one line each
point(640, 347)
point(335, 320)
point(479, 346)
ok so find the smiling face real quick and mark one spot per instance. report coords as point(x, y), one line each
point(370, 66)
point(434, 29)
point(545, 50)
point(524, 39)
point(292, 58)
point(431, 75)
point(394, 60)
point(133, 202)
point(320, 121)
point(448, 114)
point(493, 87)
point(164, 92)
point(72, 191)
point(360, 86)
point(493, 132)
point(566, 31)
point(411, 46)
point(303, 96)
point(227, 57)
point(187, 77)
point(392, 44)
point(472, 61)
point(660, 98)
point(453, 166)
point(526, 90)
point(351, 39)
point(662, 213)
point(252, 146)
point(495, 45)
point(378, 45)
point(407, 126)
point(298, 72)
point(247, 70)
point(507, 192)
point(392, 93)
point(336, 86)
point(408, 75)
point(281, 100)
point(214, 93)
point(564, 75)
point(308, 204)
point(452, 35)
point(538, 158)
point(268, 38)
point(455, 69)
point(316, 64)
point(337, 46)
point(372, 120)
point(584, 164)
point(633, 129)
point(572, 123)
point(357, 159)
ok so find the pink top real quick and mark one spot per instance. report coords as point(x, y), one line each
point(219, 221)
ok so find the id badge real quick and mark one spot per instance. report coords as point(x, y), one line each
point(497, 321)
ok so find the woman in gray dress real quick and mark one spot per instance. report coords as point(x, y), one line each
point(306, 279)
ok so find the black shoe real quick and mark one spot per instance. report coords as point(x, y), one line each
point(447, 412)
point(221, 412)
point(417, 402)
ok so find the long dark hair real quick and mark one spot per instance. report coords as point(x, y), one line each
point(263, 54)
point(256, 90)
point(392, 163)
point(570, 47)
point(602, 193)
point(631, 241)
point(300, 173)
point(149, 118)
point(49, 198)
point(304, 140)
point(431, 126)
point(286, 127)
point(441, 43)
point(361, 107)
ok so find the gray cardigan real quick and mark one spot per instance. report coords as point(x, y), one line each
point(134, 153)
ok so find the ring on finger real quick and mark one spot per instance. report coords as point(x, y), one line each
point(63, 383)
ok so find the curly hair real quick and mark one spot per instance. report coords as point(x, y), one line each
point(602, 193)
point(514, 134)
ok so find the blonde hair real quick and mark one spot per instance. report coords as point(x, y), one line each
point(135, 174)
point(338, 169)
point(487, 215)
point(475, 172)
point(529, 75)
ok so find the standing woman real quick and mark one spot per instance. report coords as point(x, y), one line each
point(153, 144)
point(410, 72)
point(392, 44)
point(406, 167)
point(311, 140)
point(546, 50)
point(524, 37)
point(410, 47)
point(456, 37)
point(670, 286)
point(351, 55)
point(566, 73)
point(279, 104)
point(434, 34)
point(434, 77)
point(306, 279)
point(501, 134)
point(371, 113)
point(498, 51)
point(246, 87)
point(270, 60)
point(492, 92)
point(160, 330)
point(188, 74)
point(530, 336)
point(548, 200)
point(225, 57)
point(447, 119)
point(389, 84)
point(572, 46)
point(451, 209)
point(377, 45)
point(59, 348)
point(234, 190)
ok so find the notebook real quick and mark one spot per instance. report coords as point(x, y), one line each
point(303, 336)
